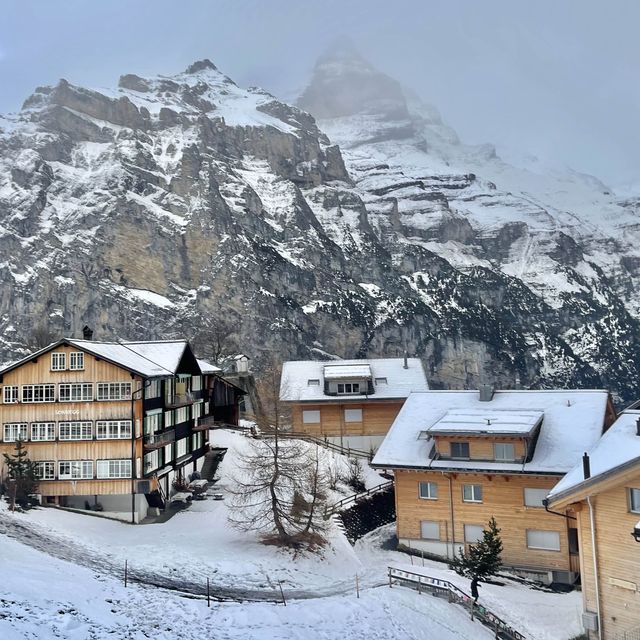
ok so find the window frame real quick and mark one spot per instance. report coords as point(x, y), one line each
point(77, 356)
point(351, 412)
point(57, 356)
point(464, 530)
point(634, 507)
point(107, 425)
point(82, 425)
point(10, 391)
point(542, 548)
point(353, 390)
point(459, 444)
point(47, 391)
point(49, 429)
point(313, 382)
point(473, 498)
point(50, 464)
point(504, 444)
point(430, 485)
point(116, 469)
point(83, 386)
point(115, 391)
point(11, 426)
point(81, 465)
point(306, 412)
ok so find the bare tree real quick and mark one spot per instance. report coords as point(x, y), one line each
point(217, 338)
point(281, 486)
point(40, 337)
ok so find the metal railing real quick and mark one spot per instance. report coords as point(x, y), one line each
point(444, 588)
point(323, 442)
point(159, 440)
point(341, 504)
point(181, 400)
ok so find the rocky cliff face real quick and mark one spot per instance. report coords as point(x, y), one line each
point(173, 204)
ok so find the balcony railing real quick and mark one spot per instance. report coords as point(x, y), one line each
point(159, 440)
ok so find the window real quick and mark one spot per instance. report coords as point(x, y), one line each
point(313, 382)
point(428, 490)
point(38, 392)
point(197, 440)
point(473, 533)
point(353, 415)
point(75, 469)
point(58, 361)
point(168, 453)
point(46, 470)
point(15, 431)
point(504, 451)
point(381, 381)
point(168, 419)
point(153, 390)
point(429, 530)
point(634, 500)
point(113, 429)
point(181, 447)
point(75, 431)
point(76, 392)
point(546, 540)
point(348, 387)
point(76, 361)
point(534, 497)
point(181, 415)
point(196, 383)
point(151, 461)
point(196, 410)
point(114, 391)
point(311, 417)
point(10, 395)
point(113, 469)
point(472, 492)
point(152, 423)
point(460, 450)
point(43, 431)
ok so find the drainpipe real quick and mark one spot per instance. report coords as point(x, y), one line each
point(596, 578)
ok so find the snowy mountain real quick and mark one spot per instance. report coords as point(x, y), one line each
point(170, 203)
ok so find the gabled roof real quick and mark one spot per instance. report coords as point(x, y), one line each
point(207, 367)
point(617, 451)
point(152, 359)
point(399, 382)
point(572, 422)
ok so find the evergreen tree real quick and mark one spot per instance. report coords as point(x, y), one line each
point(484, 557)
point(23, 472)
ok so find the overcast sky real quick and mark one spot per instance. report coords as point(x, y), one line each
point(557, 79)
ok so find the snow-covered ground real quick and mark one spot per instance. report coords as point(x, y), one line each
point(82, 595)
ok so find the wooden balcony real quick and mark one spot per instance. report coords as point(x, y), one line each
point(159, 440)
point(182, 400)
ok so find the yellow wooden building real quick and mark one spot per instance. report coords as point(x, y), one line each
point(604, 494)
point(350, 402)
point(109, 423)
point(462, 457)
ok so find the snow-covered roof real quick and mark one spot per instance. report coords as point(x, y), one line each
point(618, 447)
point(151, 359)
point(486, 420)
point(572, 422)
point(347, 371)
point(390, 378)
point(207, 367)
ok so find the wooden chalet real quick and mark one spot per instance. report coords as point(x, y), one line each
point(113, 423)
point(603, 492)
point(351, 402)
point(461, 457)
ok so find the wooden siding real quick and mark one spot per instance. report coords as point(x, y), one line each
point(377, 417)
point(480, 448)
point(85, 487)
point(618, 558)
point(503, 498)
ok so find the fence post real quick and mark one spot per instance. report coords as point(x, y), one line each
point(422, 552)
point(410, 554)
point(390, 582)
point(357, 587)
point(208, 594)
point(284, 602)
point(125, 574)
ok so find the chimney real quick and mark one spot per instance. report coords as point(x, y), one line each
point(586, 466)
point(486, 392)
point(87, 333)
point(406, 362)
